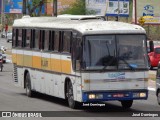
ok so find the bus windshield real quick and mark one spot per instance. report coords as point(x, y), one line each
point(115, 52)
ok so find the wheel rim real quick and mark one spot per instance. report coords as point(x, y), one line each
point(27, 85)
point(70, 94)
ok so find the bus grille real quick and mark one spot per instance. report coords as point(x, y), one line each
point(15, 77)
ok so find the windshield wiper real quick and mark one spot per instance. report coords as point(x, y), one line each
point(112, 59)
point(131, 67)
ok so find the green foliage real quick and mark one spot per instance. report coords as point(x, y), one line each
point(78, 8)
point(36, 5)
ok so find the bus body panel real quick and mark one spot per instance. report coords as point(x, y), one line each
point(115, 80)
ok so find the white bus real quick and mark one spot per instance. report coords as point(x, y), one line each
point(81, 60)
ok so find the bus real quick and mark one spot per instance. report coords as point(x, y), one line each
point(82, 60)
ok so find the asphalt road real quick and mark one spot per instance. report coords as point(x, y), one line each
point(13, 98)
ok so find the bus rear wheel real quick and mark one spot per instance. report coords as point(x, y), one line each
point(29, 92)
point(70, 96)
point(158, 97)
point(127, 103)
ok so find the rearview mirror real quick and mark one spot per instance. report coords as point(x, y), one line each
point(151, 46)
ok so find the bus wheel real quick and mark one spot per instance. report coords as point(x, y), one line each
point(151, 68)
point(70, 96)
point(158, 97)
point(29, 92)
point(1, 68)
point(127, 103)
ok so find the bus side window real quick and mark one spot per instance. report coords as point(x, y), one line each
point(19, 40)
point(14, 38)
point(41, 40)
point(66, 41)
point(56, 40)
point(36, 39)
point(51, 40)
point(28, 38)
point(46, 40)
point(32, 42)
point(24, 37)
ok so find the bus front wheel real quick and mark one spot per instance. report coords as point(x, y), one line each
point(29, 92)
point(158, 97)
point(70, 96)
point(127, 103)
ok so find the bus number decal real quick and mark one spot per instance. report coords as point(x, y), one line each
point(44, 63)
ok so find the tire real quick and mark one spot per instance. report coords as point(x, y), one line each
point(29, 92)
point(158, 97)
point(1, 68)
point(151, 68)
point(127, 103)
point(70, 97)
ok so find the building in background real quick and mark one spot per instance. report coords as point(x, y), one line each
point(148, 9)
point(62, 5)
point(99, 6)
point(118, 8)
point(109, 7)
point(13, 6)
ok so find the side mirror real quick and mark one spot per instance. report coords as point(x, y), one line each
point(151, 46)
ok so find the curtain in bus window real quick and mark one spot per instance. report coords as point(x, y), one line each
point(37, 38)
point(56, 40)
point(28, 38)
point(66, 41)
point(14, 38)
point(100, 51)
point(46, 40)
point(19, 43)
point(51, 42)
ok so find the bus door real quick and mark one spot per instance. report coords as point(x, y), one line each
point(76, 63)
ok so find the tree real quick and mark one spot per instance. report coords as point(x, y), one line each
point(34, 8)
point(78, 8)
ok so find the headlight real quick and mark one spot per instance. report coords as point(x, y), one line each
point(142, 95)
point(92, 96)
point(95, 96)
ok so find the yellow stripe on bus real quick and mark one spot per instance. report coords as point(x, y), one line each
point(36, 62)
point(14, 58)
point(66, 66)
point(56, 65)
point(27, 60)
point(19, 59)
point(51, 64)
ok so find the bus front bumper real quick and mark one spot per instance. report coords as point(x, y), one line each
point(97, 96)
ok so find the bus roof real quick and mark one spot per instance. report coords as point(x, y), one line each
point(84, 26)
point(77, 17)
